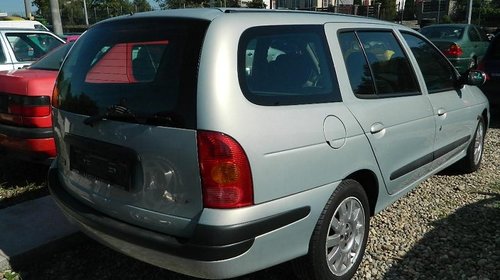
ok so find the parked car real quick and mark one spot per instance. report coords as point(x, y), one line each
point(491, 66)
point(218, 142)
point(23, 24)
point(25, 120)
point(21, 47)
point(463, 44)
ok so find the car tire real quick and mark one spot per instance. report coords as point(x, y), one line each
point(339, 239)
point(472, 160)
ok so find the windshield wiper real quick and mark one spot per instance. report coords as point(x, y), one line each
point(116, 112)
point(122, 113)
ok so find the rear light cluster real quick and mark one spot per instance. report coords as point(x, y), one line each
point(26, 111)
point(225, 171)
point(453, 51)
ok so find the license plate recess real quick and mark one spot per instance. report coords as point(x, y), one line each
point(110, 163)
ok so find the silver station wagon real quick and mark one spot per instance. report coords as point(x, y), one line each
point(219, 142)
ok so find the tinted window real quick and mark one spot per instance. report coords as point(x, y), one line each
point(438, 73)
point(145, 68)
point(482, 33)
point(443, 32)
point(473, 35)
point(53, 60)
point(357, 66)
point(31, 46)
point(286, 65)
point(2, 54)
point(389, 66)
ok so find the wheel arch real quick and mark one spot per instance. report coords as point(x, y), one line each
point(369, 182)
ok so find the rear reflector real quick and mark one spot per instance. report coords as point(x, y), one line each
point(225, 171)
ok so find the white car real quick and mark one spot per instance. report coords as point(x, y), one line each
point(21, 47)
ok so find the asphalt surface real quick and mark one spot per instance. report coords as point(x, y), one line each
point(28, 227)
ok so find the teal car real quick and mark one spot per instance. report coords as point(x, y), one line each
point(463, 44)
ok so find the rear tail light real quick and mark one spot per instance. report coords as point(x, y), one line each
point(225, 171)
point(454, 51)
point(27, 111)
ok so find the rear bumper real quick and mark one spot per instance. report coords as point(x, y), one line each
point(204, 255)
point(35, 144)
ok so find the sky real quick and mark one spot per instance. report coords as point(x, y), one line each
point(17, 6)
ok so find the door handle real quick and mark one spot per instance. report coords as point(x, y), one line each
point(441, 111)
point(376, 128)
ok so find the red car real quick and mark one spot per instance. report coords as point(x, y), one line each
point(25, 108)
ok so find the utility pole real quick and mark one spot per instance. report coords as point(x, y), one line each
point(56, 17)
point(469, 12)
point(27, 8)
point(85, 12)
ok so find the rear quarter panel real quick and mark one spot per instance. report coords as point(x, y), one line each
point(285, 145)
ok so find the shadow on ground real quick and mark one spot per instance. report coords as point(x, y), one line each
point(464, 245)
point(21, 181)
point(495, 116)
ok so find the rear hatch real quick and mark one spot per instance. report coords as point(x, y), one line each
point(125, 121)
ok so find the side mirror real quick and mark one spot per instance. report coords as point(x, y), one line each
point(473, 78)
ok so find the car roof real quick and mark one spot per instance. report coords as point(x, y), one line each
point(210, 14)
point(449, 25)
point(30, 30)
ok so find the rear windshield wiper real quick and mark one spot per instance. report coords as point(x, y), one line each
point(122, 113)
point(116, 112)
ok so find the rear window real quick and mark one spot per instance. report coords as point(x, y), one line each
point(53, 60)
point(443, 32)
point(146, 68)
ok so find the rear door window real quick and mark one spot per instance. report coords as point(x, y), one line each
point(286, 65)
point(3, 58)
point(377, 65)
point(141, 71)
point(473, 34)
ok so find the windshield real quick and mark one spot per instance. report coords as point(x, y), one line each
point(443, 32)
point(32, 46)
point(141, 71)
point(53, 60)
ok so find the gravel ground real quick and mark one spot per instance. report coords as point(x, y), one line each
point(447, 228)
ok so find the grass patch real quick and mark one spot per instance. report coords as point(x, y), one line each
point(21, 181)
point(9, 275)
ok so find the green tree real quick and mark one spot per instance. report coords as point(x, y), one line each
point(256, 4)
point(387, 9)
point(483, 12)
point(409, 10)
point(141, 6)
point(175, 4)
point(72, 10)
